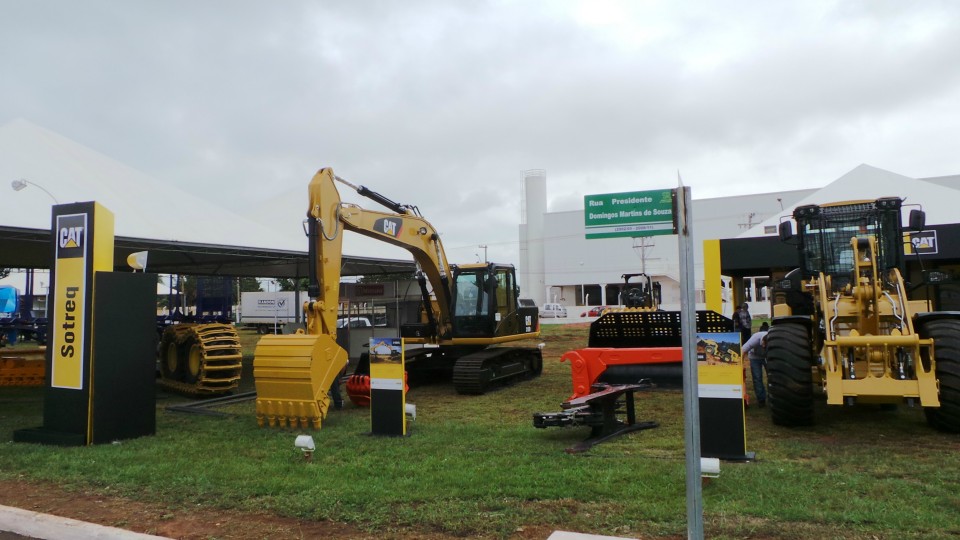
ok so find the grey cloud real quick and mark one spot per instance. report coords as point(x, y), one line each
point(442, 104)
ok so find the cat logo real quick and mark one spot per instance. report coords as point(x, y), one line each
point(71, 235)
point(388, 226)
point(924, 242)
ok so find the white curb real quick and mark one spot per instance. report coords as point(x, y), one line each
point(48, 527)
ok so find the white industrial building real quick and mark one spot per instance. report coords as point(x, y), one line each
point(558, 264)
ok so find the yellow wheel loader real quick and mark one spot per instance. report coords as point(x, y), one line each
point(470, 313)
point(843, 320)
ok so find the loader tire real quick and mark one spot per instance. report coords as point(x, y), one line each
point(171, 363)
point(789, 362)
point(946, 344)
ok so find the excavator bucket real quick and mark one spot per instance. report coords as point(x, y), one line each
point(293, 374)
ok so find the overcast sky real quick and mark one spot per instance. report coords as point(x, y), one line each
point(442, 104)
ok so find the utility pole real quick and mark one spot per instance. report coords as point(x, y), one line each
point(484, 246)
point(641, 244)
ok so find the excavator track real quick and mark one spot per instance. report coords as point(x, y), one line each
point(200, 359)
point(475, 373)
point(23, 367)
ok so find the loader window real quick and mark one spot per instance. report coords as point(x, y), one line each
point(827, 235)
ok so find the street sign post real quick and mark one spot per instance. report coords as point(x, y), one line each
point(650, 213)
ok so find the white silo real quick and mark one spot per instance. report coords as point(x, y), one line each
point(532, 208)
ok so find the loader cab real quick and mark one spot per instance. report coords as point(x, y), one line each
point(825, 234)
point(645, 293)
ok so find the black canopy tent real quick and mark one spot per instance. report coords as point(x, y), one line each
point(31, 248)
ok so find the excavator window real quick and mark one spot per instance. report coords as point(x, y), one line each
point(471, 305)
point(471, 299)
point(506, 294)
point(485, 302)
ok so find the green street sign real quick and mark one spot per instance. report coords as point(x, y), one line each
point(638, 213)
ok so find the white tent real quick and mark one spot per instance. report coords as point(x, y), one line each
point(143, 207)
point(186, 234)
point(869, 183)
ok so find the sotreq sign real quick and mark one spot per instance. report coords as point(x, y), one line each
point(638, 213)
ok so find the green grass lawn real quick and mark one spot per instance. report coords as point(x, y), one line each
point(474, 465)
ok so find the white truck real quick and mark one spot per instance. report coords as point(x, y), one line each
point(269, 311)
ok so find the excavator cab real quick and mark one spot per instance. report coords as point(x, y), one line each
point(485, 302)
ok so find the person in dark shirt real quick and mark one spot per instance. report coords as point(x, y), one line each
point(742, 322)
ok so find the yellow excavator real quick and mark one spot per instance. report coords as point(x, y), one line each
point(470, 313)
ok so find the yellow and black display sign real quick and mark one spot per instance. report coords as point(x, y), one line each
point(720, 389)
point(100, 361)
point(69, 319)
point(387, 387)
point(83, 244)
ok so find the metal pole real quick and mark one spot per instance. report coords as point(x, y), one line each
point(691, 404)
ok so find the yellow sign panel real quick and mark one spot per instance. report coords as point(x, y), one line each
point(387, 387)
point(78, 256)
point(70, 294)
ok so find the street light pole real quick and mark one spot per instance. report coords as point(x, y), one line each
point(19, 185)
point(27, 308)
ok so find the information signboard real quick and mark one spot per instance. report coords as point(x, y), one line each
point(387, 387)
point(638, 213)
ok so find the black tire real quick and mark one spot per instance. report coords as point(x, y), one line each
point(946, 342)
point(789, 361)
point(171, 361)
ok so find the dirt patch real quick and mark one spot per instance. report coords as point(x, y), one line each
point(188, 524)
point(199, 523)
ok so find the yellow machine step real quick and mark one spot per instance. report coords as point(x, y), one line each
point(293, 374)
